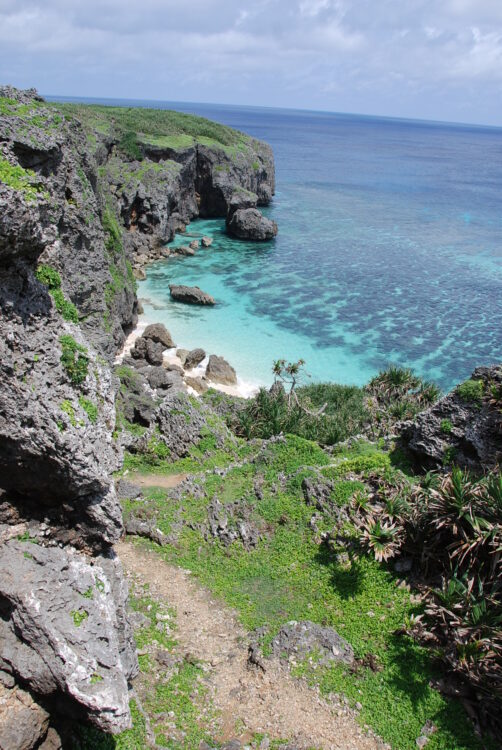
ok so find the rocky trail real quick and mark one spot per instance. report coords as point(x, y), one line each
point(249, 696)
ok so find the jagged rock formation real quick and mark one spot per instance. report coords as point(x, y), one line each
point(78, 212)
point(250, 224)
point(464, 427)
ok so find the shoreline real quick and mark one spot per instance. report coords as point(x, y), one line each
point(242, 389)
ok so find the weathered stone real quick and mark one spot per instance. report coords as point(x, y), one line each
point(23, 723)
point(67, 631)
point(219, 371)
point(206, 241)
point(194, 358)
point(198, 384)
point(158, 333)
point(159, 377)
point(194, 245)
point(182, 355)
point(301, 639)
point(191, 295)
point(250, 224)
point(467, 431)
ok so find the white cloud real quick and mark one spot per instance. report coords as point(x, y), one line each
point(356, 55)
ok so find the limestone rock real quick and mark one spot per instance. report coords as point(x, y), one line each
point(219, 371)
point(300, 639)
point(67, 632)
point(191, 295)
point(250, 224)
point(459, 427)
point(194, 358)
point(158, 333)
point(206, 241)
point(23, 723)
point(198, 384)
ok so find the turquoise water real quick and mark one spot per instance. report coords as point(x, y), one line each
point(389, 250)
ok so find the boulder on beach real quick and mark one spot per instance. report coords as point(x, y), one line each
point(146, 349)
point(206, 241)
point(191, 295)
point(182, 355)
point(158, 333)
point(250, 224)
point(194, 358)
point(219, 371)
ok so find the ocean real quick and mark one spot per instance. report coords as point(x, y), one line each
point(389, 251)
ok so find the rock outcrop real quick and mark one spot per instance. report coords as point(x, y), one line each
point(191, 295)
point(250, 224)
point(464, 427)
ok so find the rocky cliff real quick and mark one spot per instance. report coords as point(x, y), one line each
point(81, 194)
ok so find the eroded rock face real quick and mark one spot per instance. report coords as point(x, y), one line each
point(194, 358)
point(23, 723)
point(69, 616)
point(250, 224)
point(464, 427)
point(57, 416)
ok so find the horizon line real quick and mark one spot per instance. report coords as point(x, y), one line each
point(283, 109)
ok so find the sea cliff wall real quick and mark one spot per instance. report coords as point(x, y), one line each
point(82, 196)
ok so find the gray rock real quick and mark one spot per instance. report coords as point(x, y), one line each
point(67, 632)
point(301, 639)
point(170, 367)
point(182, 355)
point(194, 245)
point(146, 529)
point(219, 371)
point(185, 250)
point(198, 384)
point(191, 295)
point(159, 377)
point(206, 241)
point(158, 333)
point(194, 358)
point(231, 522)
point(250, 224)
point(128, 490)
point(474, 434)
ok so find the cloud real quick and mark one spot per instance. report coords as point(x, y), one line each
point(412, 57)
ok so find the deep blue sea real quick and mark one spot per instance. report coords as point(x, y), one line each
point(389, 250)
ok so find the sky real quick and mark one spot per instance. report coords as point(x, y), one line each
point(429, 59)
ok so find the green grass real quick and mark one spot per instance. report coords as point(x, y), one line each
point(135, 126)
point(290, 576)
point(25, 181)
point(90, 409)
point(471, 391)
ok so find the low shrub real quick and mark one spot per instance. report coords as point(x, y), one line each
point(74, 358)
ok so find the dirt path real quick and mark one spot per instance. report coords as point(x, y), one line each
point(165, 481)
point(270, 702)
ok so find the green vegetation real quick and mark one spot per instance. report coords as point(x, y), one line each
point(90, 409)
point(74, 359)
point(79, 616)
point(471, 391)
point(446, 426)
point(136, 127)
point(67, 408)
point(25, 181)
point(52, 280)
point(293, 575)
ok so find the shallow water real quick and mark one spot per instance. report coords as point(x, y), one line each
point(389, 250)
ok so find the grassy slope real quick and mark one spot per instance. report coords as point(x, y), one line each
point(157, 127)
point(291, 576)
